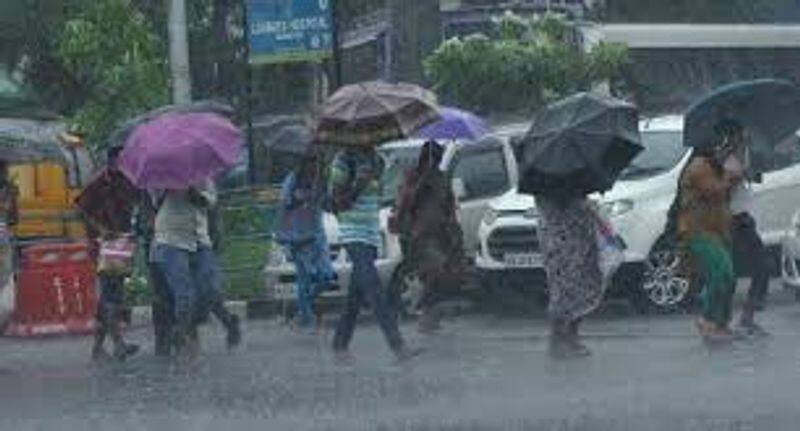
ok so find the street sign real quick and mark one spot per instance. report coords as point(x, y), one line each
point(282, 31)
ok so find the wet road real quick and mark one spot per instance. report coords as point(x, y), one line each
point(481, 373)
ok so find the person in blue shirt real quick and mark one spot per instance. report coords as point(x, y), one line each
point(301, 232)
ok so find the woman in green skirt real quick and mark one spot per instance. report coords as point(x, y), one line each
point(704, 220)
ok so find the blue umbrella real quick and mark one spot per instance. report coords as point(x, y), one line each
point(455, 124)
point(768, 108)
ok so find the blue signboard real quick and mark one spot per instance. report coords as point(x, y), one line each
point(283, 31)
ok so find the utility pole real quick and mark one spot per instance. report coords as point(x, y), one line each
point(179, 53)
point(337, 47)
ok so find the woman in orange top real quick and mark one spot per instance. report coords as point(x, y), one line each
point(704, 220)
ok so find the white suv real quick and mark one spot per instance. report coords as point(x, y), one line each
point(480, 171)
point(637, 205)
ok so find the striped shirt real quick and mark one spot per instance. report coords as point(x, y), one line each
point(360, 223)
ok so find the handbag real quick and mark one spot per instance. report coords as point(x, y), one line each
point(116, 256)
point(610, 247)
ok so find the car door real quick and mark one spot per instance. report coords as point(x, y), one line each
point(483, 170)
point(777, 195)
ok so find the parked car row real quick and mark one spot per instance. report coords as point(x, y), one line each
point(501, 225)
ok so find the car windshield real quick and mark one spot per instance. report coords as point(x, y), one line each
point(662, 151)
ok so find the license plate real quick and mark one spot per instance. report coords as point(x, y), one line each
point(527, 260)
point(282, 291)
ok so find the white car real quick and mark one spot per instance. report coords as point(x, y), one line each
point(637, 206)
point(480, 171)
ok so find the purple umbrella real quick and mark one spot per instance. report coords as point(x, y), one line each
point(455, 124)
point(175, 151)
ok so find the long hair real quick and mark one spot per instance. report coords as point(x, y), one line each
point(430, 157)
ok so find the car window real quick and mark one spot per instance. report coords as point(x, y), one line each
point(483, 172)
point(786, 154)
point(662, 151)
point(396, 162)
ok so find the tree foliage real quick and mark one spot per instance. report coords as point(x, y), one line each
point(531, 62)
point(119, 63)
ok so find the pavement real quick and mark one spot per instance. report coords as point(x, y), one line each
point(480, 373)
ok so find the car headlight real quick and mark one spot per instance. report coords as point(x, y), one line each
point(490, 216)
point(616, 208)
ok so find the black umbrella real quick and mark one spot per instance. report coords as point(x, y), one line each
point(768, 108)
point(579, 145)
point(292, 139)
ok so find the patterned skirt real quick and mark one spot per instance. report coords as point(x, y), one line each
point(569, 244)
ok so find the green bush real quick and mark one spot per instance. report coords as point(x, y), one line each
point(530, 62)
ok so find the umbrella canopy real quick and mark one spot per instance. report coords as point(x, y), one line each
point(768, 108)
point(119, 136)
point(455, 124)
point(293, 139)
point(106, 200)
point(26, 141)
point(579, 145)
point(179, 150)
point(369, 113)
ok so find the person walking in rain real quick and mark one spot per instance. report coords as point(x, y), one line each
point(704, 227)
point(301, 232)
point(425, 218)
point(356, 194)
point(162, 303)
point(183, 252)
point(749, 254)
point(115, 264)
point(574, 280)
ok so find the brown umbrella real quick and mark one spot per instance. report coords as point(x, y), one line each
point(369, 113)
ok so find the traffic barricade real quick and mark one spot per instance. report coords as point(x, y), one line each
point(55, 291)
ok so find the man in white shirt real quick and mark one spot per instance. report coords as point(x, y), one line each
point(183, 251)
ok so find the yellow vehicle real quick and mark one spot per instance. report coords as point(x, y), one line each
point(47, 192)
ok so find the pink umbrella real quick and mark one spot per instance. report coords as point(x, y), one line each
point(176, 150)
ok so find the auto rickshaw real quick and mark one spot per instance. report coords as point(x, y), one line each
point(44, 256)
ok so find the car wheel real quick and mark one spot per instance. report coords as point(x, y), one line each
point(407, 289)
point(663, 286)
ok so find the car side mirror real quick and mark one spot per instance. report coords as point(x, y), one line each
point(459, 190)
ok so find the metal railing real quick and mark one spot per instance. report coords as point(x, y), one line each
point(244, 237)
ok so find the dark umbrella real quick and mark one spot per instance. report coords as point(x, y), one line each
point(294, 139)
point(370, 113)
point(120, 135)
point(579, 145)
point(768, 108)
point(107, 200)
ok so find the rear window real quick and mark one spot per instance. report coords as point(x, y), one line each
point(483, 172)
point(662, 152)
